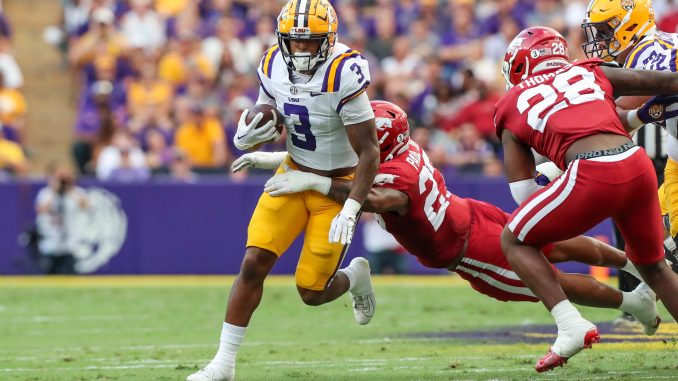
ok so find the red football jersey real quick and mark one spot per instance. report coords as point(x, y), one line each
point(551, 110)
point(437, 222)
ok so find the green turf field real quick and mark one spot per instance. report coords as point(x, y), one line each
point(164, 328)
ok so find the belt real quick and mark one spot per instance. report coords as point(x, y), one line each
point(606, 152)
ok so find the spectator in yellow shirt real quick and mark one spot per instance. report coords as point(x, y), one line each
point(202, 138)
point(184, 60)
point(148, 90)
point(12, 110)
point(12, 158)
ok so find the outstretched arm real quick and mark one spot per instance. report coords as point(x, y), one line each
point(641, 82)
point(379, 200)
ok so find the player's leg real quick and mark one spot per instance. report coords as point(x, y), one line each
point(592, 252)
point(319, 279)
point(644, 245)
point(275, 223)
point(579, 198)
point(585, 290)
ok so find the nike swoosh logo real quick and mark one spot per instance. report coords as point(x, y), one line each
point(316, 94)
point(240, 137)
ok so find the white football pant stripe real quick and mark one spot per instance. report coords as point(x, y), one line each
point(496, 283)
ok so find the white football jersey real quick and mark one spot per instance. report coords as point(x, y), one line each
point(314, 111)
point(658, 52)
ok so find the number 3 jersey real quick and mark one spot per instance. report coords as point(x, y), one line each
point(551, 110)
point(316, 111)
point(437, 223)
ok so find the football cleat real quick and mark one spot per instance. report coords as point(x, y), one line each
point(568, 346)
point(647, 315)
point(362, 292)
point(213, 373)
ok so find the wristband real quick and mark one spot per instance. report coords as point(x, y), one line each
point(633, 120)
point(352, 207)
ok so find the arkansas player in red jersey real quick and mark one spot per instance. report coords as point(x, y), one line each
point(462, 235)
point(566, 112)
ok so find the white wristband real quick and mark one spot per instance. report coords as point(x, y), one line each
point(523, 189)
point(351, 206)
point(633, 120)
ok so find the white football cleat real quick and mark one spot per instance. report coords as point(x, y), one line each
point(647, 315)
point(362, 292)
point(567, 344)
point(213, 373)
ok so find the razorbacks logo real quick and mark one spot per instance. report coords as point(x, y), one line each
point(384, 178)
point(656, 111)
point(627, 5)
point(100, 231)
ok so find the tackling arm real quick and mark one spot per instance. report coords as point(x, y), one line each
point(379, 200)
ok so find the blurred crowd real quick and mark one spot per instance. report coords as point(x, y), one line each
point(163, 82)
point(12, 107)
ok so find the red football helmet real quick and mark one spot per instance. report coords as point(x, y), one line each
point(532, 50)
point(393, 130)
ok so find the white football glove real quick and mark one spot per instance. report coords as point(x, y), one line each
point(297, 181)
point(343, 224)
point(248, 135)
point(261, 160)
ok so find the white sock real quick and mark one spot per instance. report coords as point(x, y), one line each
point(631, 269)
point(350, 275)
point(231, 337)
point(631, 302)
point(566, 315)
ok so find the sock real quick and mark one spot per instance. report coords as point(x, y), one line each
point(231, 337)
point(631, 269)
point(631, 302)
point(349, 274)
point(566, 315)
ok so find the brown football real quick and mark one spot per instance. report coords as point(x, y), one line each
point(269, 112)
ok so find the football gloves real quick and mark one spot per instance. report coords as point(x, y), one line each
point(249, 135)
point(294, 181)
point(343, 224)
point(261, 160)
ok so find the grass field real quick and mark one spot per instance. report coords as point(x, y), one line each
point(426, 328)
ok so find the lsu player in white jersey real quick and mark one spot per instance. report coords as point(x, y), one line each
point(624, 31)
point(319, 86)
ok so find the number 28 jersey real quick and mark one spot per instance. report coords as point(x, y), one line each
point(437, 222)
point(551, 110)
point(316, 111)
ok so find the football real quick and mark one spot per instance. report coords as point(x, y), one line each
point(270, 113)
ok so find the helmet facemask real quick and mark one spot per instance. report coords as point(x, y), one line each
point(305, 61)
point(600, 40)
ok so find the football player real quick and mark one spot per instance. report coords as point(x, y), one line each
point(319, 86)
point(461, 235)
point(624, 31)
point(566, 112)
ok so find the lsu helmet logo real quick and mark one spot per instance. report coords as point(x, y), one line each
point(627, 5)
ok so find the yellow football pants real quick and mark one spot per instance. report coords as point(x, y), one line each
point(277, 221)
point(668, 195)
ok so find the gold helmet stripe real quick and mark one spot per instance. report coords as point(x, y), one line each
point(267, 63)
